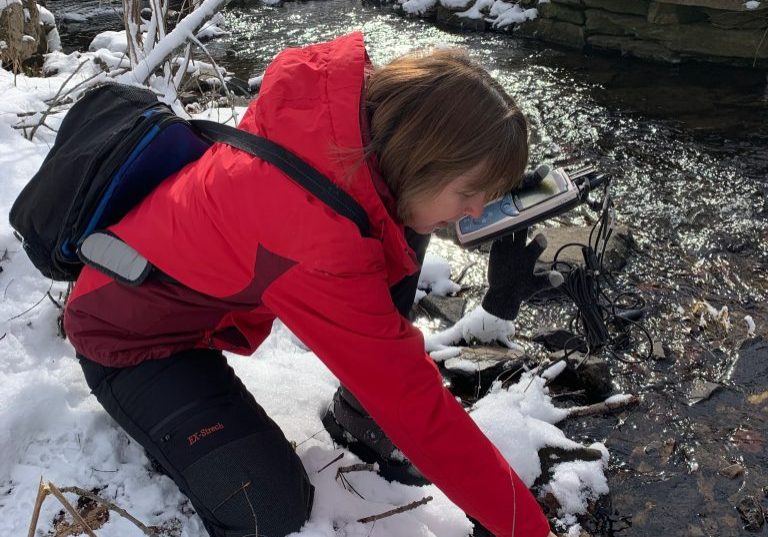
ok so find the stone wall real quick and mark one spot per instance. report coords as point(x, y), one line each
point(722, 31)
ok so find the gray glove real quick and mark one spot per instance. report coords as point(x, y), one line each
point(511, 276)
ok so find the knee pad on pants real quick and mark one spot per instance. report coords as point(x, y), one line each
point(256, 485)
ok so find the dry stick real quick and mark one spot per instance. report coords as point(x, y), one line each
point(111, 506)
point(42, 492)
point(347, 485)
point(72, 511)
point(409, 507)
point(361, 467)
point(601, 408)
point(55, 99)
point(33, 306)
point(341, 456)
point(231, 97)
point(311, 437)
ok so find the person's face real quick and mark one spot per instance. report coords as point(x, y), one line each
point(454, 201)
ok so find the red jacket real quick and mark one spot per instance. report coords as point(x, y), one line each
point(249, 245)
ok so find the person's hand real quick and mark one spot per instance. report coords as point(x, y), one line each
point(511, 276)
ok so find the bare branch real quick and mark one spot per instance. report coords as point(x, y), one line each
point(68, 506)
point(111, 506)
point(411, 506)
point(216, 70)
point(140, 74)
point(341, 456)
point(601, 408)
point(42, 492)
point(55, 100)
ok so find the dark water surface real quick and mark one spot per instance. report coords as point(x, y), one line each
point(688, 150)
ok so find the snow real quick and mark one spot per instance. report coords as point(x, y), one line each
point(475, 11)
point(111, 40)
point(752, 4)
point(46, 17)
point(52, 37)
point(619, 398)
point(51, 427)
point(435, 276)
point(418, 7)
point(255, 83)
point(553, 371)
point(183, 30)
point(514, 15)
point(212, 28)
point(750, 325)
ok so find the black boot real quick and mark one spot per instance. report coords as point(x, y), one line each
point(350, 426)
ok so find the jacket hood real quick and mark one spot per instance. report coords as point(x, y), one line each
point(309, 103)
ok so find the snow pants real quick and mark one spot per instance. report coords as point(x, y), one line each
point(201, 427)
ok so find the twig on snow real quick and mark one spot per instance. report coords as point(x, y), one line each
point(52, 489)
point(397, 511)
point(352, 468)
point(55, 100)
point(46, 488)
point(33, 306)
point(111, 506)
point(341, 456)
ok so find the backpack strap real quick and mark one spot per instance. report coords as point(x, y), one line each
point(290, 164)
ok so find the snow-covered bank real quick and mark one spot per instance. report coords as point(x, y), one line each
point(53, 428)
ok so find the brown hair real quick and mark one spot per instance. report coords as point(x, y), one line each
point(435, 115)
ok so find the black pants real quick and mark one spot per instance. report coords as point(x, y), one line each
point(196, 419)
point(198, 422)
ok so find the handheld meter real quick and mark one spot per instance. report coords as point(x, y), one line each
point(554, 192)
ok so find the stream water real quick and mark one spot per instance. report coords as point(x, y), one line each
point(687, 147)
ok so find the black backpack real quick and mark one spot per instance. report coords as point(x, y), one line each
point(114, 146)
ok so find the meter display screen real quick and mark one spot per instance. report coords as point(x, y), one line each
point(548, 188)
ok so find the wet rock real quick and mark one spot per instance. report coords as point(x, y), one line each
point(658, 351)
point(638, 460)
point(629, 46)
point(661, 13)
point(616, 253)
point(450, 308)
point(592, 374)
point(551, 456)
point(701, 390)
point(607, 23)
point(452, 19)
point(555, 31)
point(663, 449)
point(751, 513)
point(751, 368)
point(732, 471)
point(732, 5)
point(632, 7)
point(471, 374)
point(559, 339)
point(560, 12)
point(748, 440)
